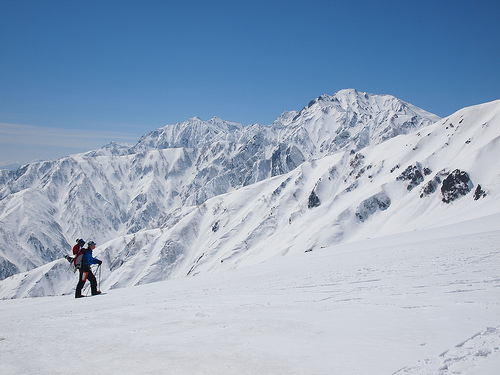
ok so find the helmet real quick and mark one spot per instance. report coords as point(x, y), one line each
point(91, 243)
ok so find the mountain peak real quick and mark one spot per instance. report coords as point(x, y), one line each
point(353, 100)
point(351, 119)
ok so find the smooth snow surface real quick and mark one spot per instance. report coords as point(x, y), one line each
point(424, 302)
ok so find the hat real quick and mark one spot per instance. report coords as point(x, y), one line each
point(91, 243)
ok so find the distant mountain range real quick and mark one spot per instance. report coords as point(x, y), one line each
point(203, 196)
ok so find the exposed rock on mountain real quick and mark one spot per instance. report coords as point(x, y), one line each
point(414, 174)
point(454, 186)
point(313, 200)
point(433, 184)
point(479, 193)
point(373, 204)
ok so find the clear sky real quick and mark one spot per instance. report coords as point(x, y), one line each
point(76, 74)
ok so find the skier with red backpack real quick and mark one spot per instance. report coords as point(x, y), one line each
point(83, 260)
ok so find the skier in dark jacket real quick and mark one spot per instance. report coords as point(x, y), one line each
point(86, 272)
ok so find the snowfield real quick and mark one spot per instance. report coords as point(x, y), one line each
point(423, 302)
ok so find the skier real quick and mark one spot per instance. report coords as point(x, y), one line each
point(86, 272)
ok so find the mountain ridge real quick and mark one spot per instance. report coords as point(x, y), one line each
point(182, 181)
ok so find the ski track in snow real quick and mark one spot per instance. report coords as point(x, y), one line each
point(418, 303)
point(464, 357)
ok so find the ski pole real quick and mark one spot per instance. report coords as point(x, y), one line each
point(99, 283)
point(86, 290)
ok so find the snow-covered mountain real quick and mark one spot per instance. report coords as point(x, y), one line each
point(118, 190)
point(208, 196)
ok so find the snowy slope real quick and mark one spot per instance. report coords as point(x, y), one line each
point(396, 186)
point(423, 302)
point(275, 217)
point(119, 190)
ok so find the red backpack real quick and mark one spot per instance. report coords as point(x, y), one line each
point(78, 251)
point(78, 246)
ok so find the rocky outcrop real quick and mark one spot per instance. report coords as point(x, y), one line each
point(479, 193)
point(414, 174)
point(313, 200)
point(456, 185)
point(431, 186)
point(377, 202)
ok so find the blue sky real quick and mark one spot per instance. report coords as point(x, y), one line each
point(75, 75)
